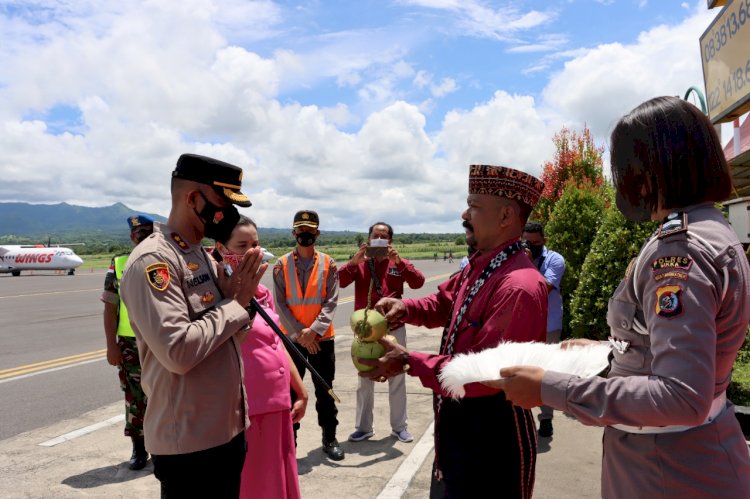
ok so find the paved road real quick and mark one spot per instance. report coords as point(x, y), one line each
point(61, 411)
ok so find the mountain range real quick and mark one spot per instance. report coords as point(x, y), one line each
point(63, 222)
point(57, 220)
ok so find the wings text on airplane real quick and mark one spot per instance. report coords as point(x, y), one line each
point(14, 259)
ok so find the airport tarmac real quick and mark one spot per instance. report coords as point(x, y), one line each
point(87, 456)
point(84, 454)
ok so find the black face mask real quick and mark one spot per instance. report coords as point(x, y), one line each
point(218, 222)
point(634, 213)
point(536, 250)
point(305, 239)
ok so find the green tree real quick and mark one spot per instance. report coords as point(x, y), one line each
point(572, 227)
point(577, 161)
point(617, 242)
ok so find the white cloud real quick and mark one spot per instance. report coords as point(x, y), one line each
point(477, 19)
point(601, 84)
point(447, 86)
point(507, 130)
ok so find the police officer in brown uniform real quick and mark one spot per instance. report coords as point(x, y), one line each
point(677, 320)
point(189, 321)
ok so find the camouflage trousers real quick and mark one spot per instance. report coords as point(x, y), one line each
point(130, 382)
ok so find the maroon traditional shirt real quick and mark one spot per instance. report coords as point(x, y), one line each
point(510, 306)
point(391, 276)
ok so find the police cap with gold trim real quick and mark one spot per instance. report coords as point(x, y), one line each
point(225, 178)
point(308, 218)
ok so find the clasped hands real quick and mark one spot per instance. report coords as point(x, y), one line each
point(243, 283)
point(309, 340)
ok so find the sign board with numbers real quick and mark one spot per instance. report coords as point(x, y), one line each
point(725, 53)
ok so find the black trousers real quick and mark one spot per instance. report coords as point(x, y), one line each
point(485, 444)
point(325, 363)
point(213, 472)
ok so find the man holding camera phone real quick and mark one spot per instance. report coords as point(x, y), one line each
point(379, 263)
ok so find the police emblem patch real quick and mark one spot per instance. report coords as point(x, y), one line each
point(207, 297)
point(193, 266)
point(157, 275)
point(669, 301)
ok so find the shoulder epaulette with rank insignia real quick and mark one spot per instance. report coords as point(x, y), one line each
point(179, 241)
point(675, 223)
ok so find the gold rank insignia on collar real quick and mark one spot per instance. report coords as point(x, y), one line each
point(157, 275)
point(179, 241)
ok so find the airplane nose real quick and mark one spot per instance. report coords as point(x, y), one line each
point(267, 255)
point(75, 260)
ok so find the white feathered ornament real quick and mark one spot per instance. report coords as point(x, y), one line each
point(584, 361)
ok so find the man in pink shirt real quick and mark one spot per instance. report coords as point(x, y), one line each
point(482, 442)
point(375, 278)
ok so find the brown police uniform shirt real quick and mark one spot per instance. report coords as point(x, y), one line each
point(191, 363)
point(675, 336)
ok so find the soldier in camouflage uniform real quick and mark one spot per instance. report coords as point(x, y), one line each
point(122, 350)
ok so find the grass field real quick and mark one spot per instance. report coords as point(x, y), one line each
point(340, 253)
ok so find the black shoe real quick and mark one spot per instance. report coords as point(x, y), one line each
point(545, 428)
point(139, 457)
point(333, 449)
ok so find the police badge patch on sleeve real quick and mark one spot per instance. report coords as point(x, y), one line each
point(157, 275)
point(669, 301)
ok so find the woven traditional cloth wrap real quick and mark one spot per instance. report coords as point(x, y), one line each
point(505, 182)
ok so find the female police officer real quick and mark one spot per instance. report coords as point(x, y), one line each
point(677, 321)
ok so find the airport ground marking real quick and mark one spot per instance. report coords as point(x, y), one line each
point(27, 373)
point(399, 482)
point(83, 431)
point(51, 293)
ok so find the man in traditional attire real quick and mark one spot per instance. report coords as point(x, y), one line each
point(482, 442)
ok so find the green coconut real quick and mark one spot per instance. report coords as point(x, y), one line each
point(368, 324)
point(365, 350)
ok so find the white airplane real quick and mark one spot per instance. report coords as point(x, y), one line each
point(15, 258)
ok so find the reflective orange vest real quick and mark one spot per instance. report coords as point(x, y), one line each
point(306, 306)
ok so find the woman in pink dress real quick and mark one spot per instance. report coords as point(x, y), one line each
point(270, 469)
